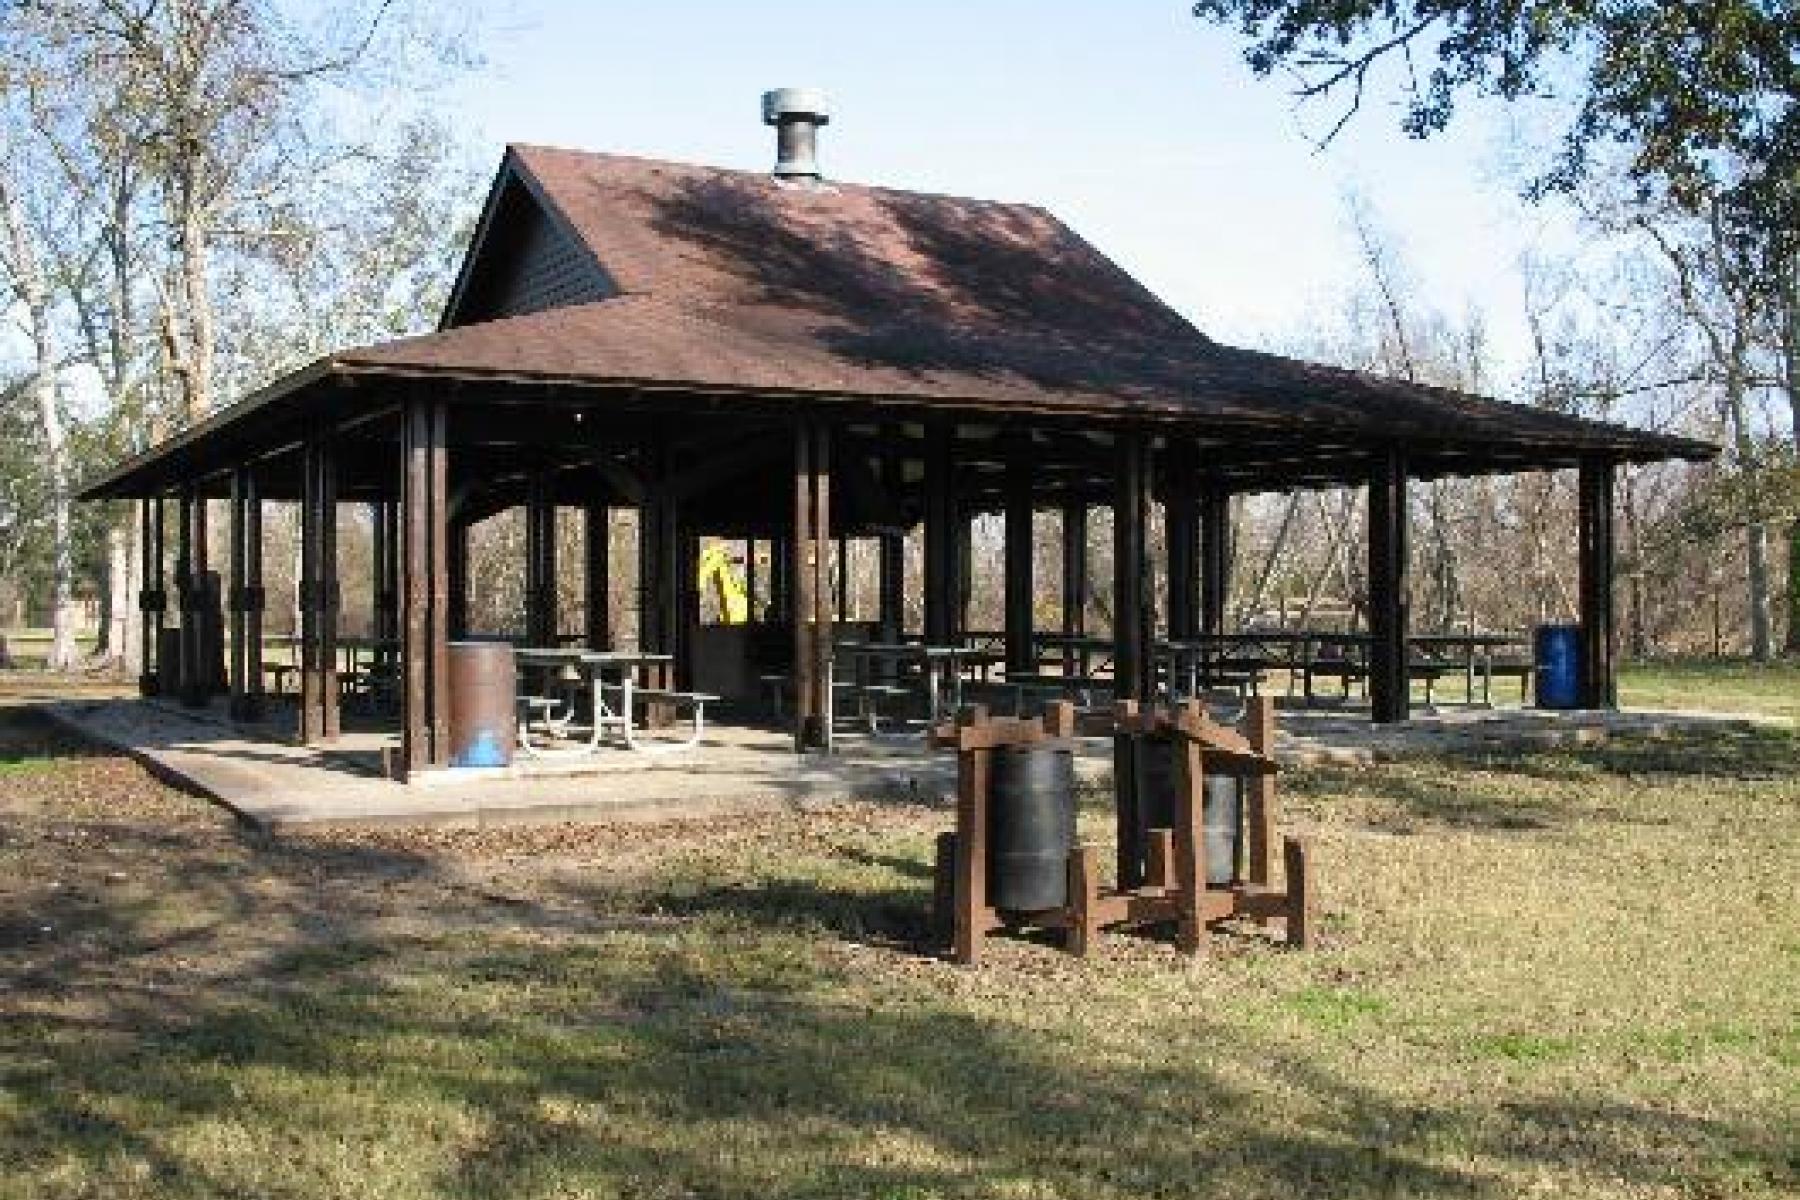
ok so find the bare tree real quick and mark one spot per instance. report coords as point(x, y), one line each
point(1724, 306)
point(21, 261)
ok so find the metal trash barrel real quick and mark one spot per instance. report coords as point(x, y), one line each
point(1556, 661)
point(1221, 809)
point(484, 719)
point(1031, 826)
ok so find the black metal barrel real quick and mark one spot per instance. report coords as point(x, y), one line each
point(1221, 810)
point(1031, 826)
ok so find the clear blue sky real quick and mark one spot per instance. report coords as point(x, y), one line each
point(1128, 118)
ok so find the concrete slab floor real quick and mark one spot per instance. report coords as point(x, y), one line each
point(274, 783)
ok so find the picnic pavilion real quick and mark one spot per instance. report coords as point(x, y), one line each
point(789, 360)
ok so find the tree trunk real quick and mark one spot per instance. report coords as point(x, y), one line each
point(115, 632)
point(34, 297)
point(1756, 533)
point(1790, 348)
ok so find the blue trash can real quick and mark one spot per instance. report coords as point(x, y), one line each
point(1557, 661)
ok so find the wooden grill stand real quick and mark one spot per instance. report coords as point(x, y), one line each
point(1175, 889)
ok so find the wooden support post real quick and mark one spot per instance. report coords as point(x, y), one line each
point(965, 577)
point(943, 887)
point(1133, 666)
point(1159, 860)
point(1084, 901)
point(1129, 867)
point(1299, 893)
point(1189, 847)
point(804, 580)
point(1074, 583)
point(941, 589)
point(383, 592)
point(425, 585)
point(318, 592)
point(310, 721)
point(1599, 674)
point(1259, 793)
point(891, 544)
point(1131, 657)
point(974, 919)
point(781, 574)
point(1021, 655)
point(456, 575)
point(1181, 525)
point(687, 603)
point(153, 599)
point(1390, 688)
point(1215, 558)
point(824, 614)
point(540, 567)
point(597, 576)
point(189, 671)
point(328, 595)
point(246, 597)
point(841, 592)
point(659, 564)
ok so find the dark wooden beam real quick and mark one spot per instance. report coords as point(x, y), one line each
point(1132, 662)
point(1390, 688)
point(1599, 672)
point(1074, 582)
point(540, 562)
point(891, 548)
point(1021, 655)
point(1215, 558)
point(804, 582)
point(456, 575)
point(153, 598)
point(425, 585)
point(1181, 529)
point(190, 579)
point(246, 597)
point(824, 615)
point(597, 576)
point(318, 592)
point(941, 540)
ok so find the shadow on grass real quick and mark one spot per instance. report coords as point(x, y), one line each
point(1471, 790)
point(1729, 751)
point(31, 741)
point(258, 990)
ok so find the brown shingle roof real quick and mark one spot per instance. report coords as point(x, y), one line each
point(727, 282)
point(731, 281)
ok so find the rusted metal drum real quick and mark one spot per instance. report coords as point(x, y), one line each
point(1031, 826)
point(484, 720)
point(1221, 809)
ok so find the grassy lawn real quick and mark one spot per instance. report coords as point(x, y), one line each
point(1570, 974)
point(1769, 688)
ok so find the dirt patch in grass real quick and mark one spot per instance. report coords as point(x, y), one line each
point(1570, 974)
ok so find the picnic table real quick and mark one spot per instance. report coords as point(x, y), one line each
point(1474, 654)
point(938, 669)
point(569, 672)
point(1079, 650)
point(1309, 655)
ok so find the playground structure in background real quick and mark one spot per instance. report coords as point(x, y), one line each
point(718, 569)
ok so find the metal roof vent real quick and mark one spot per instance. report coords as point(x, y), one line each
point(796, 114)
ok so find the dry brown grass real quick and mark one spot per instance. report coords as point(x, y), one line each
point(1569, 974)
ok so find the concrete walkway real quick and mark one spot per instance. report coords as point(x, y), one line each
point(272, 784)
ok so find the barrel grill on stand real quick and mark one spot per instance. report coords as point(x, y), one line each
point(1221, 815)
point(1033, 826)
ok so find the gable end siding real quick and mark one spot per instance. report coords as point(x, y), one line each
point(527, 263)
